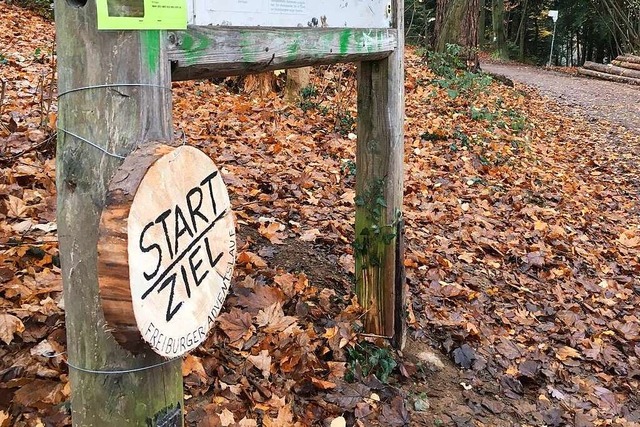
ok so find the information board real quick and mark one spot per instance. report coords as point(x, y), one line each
point(291, 13)
point(142, 14)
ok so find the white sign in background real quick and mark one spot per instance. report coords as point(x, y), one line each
point(291, 13)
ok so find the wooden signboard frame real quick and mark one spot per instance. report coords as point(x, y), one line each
point(115, 95)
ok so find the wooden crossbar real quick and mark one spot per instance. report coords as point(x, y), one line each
point(206, 52)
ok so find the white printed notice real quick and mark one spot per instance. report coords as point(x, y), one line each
point(290, 13)
point(296, 7)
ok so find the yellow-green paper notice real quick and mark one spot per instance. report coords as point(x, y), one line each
point(142, 14)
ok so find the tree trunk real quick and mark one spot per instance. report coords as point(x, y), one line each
point(442, 8)
point(457, 22)
point(629, 58)
point(469, 37)
point(497, 16)
point(262, 85)
point(297, 79)
point(578, 48)
point(606, 76)
point(482, 38)
point(612, 69)
point(522, 31)
point(624, 64)
point(116, 119)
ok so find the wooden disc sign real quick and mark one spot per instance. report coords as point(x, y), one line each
point(166, 249)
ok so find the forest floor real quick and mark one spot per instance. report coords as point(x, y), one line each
point(522, 254)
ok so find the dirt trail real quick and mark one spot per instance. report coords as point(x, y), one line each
point(615, 102)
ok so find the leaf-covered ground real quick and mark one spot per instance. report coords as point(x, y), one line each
point(523, 256)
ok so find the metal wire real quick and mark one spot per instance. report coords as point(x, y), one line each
point(121, 371)
point(103, 86)
point(79, 89)
point(117, 156)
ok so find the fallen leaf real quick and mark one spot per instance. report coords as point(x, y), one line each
point(9, 326)
point(262, 361)
point(16, 208)
point(273, 319)
point(322, 384)
point(565, 352)
point(237, 325)
point(310, 235)
point(226, 417)
point(464, 356)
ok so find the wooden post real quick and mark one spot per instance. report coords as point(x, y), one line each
point(116, 118)
point(380, 157)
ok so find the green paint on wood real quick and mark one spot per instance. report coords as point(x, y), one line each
point(150, 49)
point(194, 45)
point(344, 41)
point(365, 42)
point(247, 47)
point(293, 49)
point(187, 42)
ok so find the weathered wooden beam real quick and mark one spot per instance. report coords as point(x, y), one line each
point(115, 92)
point(379, 189)
point(205, 52)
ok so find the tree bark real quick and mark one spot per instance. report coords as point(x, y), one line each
point(612, 69)
point(497, 15)
point(297, 79)
point(624, 64)
point(611, 77)
point(117, 119)
point(262, 85)
point(457, 22)
point(482, 39)
point(522, 30)
point(629, 58)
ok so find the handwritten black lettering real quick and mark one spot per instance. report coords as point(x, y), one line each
point(171, 280)
point(146, 249)
point(185, 279)
point(207, 181)
point(194, 267)
point(162, 218)
point(180, 229)
point(179, 258)
point(195, 211)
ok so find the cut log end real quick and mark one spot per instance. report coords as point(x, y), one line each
point(113, 262)
point(166, 250)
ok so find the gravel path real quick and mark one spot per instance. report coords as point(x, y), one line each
point(615, 102)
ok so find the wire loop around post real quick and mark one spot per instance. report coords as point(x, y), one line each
point(122, 371)
point(104, 86)
point(111, 85)
point(105, 151)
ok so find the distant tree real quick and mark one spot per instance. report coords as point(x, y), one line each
point(587, 30)
point(625, 17)
point(297, 79)
point(419, 17)
point(457, 23)
point(499, 32)
point(262, 84)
